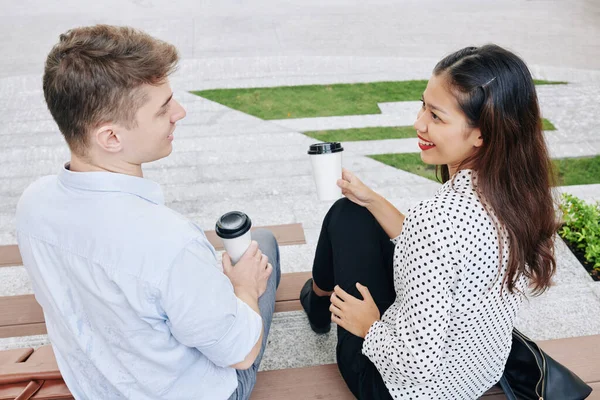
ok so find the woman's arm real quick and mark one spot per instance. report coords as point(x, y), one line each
point(407, 346)
point(388, 216)
point(385, 213)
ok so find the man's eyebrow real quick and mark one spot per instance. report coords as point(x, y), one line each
point(168, 100)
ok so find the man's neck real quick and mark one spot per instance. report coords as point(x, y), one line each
point(80, 164)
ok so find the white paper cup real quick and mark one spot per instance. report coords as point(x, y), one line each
point(237, 247)
point(326, 161)
point(234, 230)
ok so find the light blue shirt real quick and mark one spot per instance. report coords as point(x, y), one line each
point(136, 304)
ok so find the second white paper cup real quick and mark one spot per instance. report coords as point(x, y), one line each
point(326, 161)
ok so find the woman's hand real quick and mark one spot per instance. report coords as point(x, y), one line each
point(354, 315)
point(355, 190)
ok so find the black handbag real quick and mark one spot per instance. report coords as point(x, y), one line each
point(531, 374)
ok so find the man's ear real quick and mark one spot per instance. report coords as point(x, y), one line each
point(107, 139)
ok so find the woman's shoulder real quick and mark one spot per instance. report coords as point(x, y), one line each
point(460, 211)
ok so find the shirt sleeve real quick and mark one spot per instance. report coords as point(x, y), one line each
point(202, 309)
point(407, 345)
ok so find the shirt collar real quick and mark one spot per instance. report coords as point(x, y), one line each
point(112, 182)
point(463, 181)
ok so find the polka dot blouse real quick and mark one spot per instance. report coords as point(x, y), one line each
point(448, 334)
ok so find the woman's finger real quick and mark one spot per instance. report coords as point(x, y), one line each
point(347, 175)
point(338, 320)
point(335, 310)
point(342, 294)
point(336, 301)
point(364, 291)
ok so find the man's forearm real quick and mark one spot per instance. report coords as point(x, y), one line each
point(388, 216)
point(252, 300)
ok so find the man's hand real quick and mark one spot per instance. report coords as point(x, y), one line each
point(251, 273)
point(354, 315)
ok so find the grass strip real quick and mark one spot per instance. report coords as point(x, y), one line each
point(570, 171)
point(379, 133)
point(320, 100)
point(353, 135)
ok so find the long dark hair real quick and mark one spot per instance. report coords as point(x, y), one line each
point(495, 90)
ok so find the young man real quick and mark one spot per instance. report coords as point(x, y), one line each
point(136, 305)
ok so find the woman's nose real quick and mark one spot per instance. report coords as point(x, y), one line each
point(420, 124)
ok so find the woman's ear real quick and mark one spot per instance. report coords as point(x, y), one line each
point(477, 138)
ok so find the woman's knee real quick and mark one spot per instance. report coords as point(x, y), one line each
point(346, 215)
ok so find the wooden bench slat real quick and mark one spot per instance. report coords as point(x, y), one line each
point(39, 365)
point(286, 235)
point(16, 372)
point(15, 356)
point(20, 310)
point(44, 355)
point(52, 389)
point(9, 256)
point(290, 285)
point(311, 383)
point(23, 330)
point(319, 382)
point(595, 391)
point(289, 305)
point(22, 315)
point(580, 354)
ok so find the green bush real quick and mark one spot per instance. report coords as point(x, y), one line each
point(582, 227)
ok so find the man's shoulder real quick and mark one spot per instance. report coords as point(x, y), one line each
point(40, 186)
point(35, 195)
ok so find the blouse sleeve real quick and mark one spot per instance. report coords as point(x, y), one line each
point(407, 345)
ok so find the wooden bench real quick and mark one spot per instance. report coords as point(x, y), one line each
point(581, 355)
point(22, 315)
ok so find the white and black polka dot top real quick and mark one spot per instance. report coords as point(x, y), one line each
point(448, 334)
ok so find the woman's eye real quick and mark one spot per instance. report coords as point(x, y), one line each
point(434, 116)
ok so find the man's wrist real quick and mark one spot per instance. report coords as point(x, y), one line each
point(246, 291)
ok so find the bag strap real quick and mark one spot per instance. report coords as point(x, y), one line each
point(508, 392)
point(31, 389)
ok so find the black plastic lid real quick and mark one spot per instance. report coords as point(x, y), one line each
point(325, 148)
point(233, 224)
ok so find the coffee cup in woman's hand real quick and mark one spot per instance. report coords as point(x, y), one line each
point(355, 190)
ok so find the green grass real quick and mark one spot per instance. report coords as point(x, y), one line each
point(410, 162)
point(353, 135)
point(379, 133)
point(577, 171)
point(316, 100)
point(547, 125)
point(570, 171)
point(320, 100)
point(544, 82)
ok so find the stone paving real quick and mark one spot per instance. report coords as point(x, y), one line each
point(224, 159)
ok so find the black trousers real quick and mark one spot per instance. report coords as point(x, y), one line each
point(354, 248)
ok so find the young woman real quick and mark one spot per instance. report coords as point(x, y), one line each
point(429, 314)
